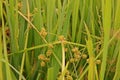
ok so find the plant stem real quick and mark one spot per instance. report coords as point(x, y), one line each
point(63, 59)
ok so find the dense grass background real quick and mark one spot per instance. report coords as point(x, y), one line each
point(59, 39)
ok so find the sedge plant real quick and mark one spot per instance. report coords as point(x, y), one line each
point(59, 40)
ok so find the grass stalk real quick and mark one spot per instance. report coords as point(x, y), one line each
point(116, 26)
point(7, 68)
point(1, 55)
point(63, 59)
point(117, 72)
point(89, 50)
point(26, 41)
point(91, 71)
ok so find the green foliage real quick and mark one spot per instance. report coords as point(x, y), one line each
point(59, 40)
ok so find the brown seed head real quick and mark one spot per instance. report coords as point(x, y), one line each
point(50, 46)
point(20, 5)
point(66, 49)
point(87, 60)
point(75, 49)
point(98, 61)
point(67, 72)
point(61, 38)
point(47, 59)
point(68, 77)
point(35, 9)
point(77, 56)
point(41, 56)
point(43, 33)
point(76, 59)
point(84, 56)
point(42, 64)
point(72, 60)
point(48, 53)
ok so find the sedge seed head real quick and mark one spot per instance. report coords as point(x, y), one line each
point(47, 59)
point(42, 63)
point(43, 33)
point(50, 46)
point(67, 72)
point(66, 49)
point(72, 60)
point(98, 61)
point(76, 59)
point(61, 38)
point(59, 77)
point(84, 56)
point(68, 77)
point(48, 53)
point(75, 49)
point(77, 56)
point(77, 52)
point(20, 5)
point(41, 56)
point(87, 60)
point(35, 9)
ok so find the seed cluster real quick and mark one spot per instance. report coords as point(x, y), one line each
point(67, 76)
point(96, 62)
point(20, 5)
point(76, 55)
point(43, 33)
point(48, 53)
point(45, 58)
point(84, 56)
point(61, 38)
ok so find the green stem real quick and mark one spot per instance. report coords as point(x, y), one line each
point(63, 59)
point(26, 41)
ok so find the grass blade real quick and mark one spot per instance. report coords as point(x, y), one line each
point(91, 71)
point(106, 13)
point(50, 73)
point(75, 18)
point(117, 72)
point(1, 55)
point(7, 68)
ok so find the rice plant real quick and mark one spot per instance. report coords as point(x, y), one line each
point(59, 39)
